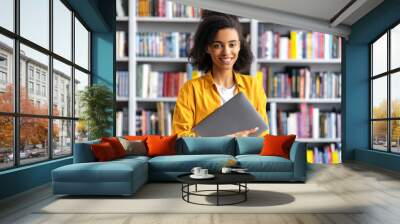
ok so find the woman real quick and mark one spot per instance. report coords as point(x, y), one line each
point(219, 50)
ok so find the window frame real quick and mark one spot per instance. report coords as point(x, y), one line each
point(388, 74)
point(16, 114)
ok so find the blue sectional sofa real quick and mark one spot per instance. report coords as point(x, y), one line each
point(125, 176)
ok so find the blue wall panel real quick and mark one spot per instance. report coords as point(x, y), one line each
point(356, 85)
point(24, 178)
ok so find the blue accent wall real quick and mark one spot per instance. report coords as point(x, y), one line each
point(99, 16)
point(24, 178)
point(356, 99)
point(103, 67)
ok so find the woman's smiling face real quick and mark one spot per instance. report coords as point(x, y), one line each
point(224, 49)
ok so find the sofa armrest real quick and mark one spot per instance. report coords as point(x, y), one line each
point(298, 157)
point(83, 152)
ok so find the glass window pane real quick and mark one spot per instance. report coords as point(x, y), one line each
point(81, 45)
point(6, 142)
point(395, 94)
point(7, 14)
point(33, 139)
point(81, 81)
point(395, 47)
point(62, 138)
point(35, 21)
point(395, 136)
point(379, 98)
point(34, 97)
point(6, 74)
point(62, 29)
point(62, 89)
point(379, 135)
point(379, 55)
point(81, 131)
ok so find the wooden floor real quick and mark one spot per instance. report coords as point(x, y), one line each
point(378, 188)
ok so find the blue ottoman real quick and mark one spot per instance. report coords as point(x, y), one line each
point(118, 177)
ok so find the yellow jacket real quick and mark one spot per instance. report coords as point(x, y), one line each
point(199, 97)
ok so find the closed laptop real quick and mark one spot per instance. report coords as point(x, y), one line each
point(235, 115)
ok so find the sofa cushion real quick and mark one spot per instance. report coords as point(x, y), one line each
point(161, 145)
point(133, 158)
point(103, 152)
point(111, 171)
point(135, 137)
point(134, 147)
point(249, 145)
point(257, 163)
point(116, 145)
point(206, 145)
point(185, 163)
point(277, 145)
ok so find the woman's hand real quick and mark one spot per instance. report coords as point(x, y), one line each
point(244, 133)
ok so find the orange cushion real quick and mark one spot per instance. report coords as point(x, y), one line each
point(135, 138)
point(116, 145)
point(161, 145)
point(277, 145)
point(103, 152)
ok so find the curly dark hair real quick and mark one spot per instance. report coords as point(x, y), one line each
point(210, 24)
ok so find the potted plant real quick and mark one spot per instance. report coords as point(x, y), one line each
point(95, 103)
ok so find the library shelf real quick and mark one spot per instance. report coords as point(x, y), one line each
point(319, 140)
point(162, 59)
point(300, 100)
point(156, 99)
point(125, 59)
point(122, 19)
point(176, 19)
point(299, 61)
point(269, 100)
point(122, 99)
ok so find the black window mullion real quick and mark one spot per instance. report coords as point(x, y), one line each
point(16, 84)
point(73, 82)
point(371, 124)
point(50, 87)
point(389, 101)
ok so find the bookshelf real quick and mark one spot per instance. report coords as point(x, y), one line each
point(132, 107)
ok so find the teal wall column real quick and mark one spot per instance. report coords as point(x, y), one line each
point(103, 68)
point(356, 98)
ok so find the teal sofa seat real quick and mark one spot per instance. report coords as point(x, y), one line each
point(167, 168)
point(257, 163)
point(125, 176)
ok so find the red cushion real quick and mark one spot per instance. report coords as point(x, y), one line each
point(135, 138)
point(116, 145)
point(277, 145)
point(103, 151)
point(161, 145)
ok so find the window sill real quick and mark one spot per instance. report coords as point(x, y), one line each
point(26, 167)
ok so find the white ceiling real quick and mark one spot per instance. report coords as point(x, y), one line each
point(316, 15)
point(321, 9)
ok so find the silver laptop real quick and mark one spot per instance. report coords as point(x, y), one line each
point(235, 115)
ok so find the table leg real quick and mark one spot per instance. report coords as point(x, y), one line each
point(196, 188)
point(188, 189)
point(245, 191)
point(217, 194)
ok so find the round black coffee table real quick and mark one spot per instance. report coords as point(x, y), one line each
point(238, 179)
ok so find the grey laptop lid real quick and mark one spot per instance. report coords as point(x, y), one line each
point(235, 115)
